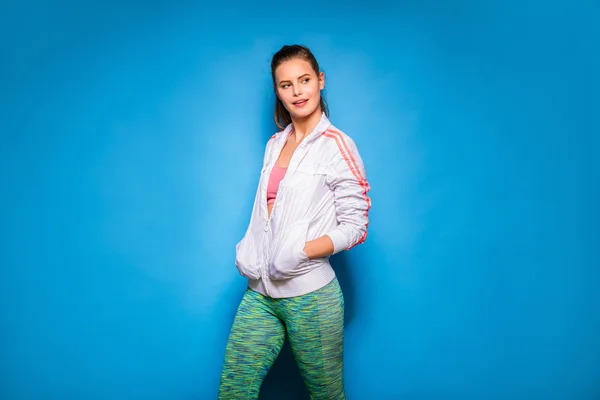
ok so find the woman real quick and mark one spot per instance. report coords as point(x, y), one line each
point(311, 203)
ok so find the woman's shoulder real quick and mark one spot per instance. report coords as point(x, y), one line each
point(336, 140)
point(273, 138)
point(279, 134)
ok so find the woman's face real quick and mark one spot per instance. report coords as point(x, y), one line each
point(298, 87)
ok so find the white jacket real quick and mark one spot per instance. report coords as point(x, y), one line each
point(324, 192)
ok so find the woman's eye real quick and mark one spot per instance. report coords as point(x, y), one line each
point(306, 80)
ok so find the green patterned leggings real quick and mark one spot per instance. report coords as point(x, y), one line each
point(314, 325)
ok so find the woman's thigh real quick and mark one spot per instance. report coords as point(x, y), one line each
point(315, 325)
point(255, 340)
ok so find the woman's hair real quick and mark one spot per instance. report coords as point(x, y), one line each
point(281, 115)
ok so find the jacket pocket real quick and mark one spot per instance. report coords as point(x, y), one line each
point(288, 256)
point(310, 175)
point(246, 257)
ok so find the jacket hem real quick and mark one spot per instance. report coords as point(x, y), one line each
point(297, 286)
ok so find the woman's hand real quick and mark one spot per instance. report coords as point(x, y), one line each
point(321, 247)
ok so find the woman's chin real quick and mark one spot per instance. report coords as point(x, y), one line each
point(302, 114)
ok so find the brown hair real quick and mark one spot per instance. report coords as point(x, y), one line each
point(281, 115)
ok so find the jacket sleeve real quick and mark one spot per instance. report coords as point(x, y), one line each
point(350, 187)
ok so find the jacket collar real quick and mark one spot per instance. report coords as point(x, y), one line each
point(321, 127)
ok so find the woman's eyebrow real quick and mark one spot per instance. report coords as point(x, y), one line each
point(300, 77)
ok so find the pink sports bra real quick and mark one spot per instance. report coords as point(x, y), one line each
point(277, 175)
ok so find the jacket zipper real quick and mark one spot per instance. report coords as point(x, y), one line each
point(267, 249)
point(267, 227)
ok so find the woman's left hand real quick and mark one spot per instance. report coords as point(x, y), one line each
point(321, 247)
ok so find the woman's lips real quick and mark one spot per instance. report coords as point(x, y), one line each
point(300, 103)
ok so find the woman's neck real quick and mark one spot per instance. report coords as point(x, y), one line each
point(304, 126)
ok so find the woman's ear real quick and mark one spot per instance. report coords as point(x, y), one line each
point(321, 80)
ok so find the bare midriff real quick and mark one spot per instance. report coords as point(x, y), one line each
point(269, 208)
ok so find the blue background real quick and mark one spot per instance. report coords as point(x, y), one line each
point(132, 135)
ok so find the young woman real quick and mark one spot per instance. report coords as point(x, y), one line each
point(311, 203)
